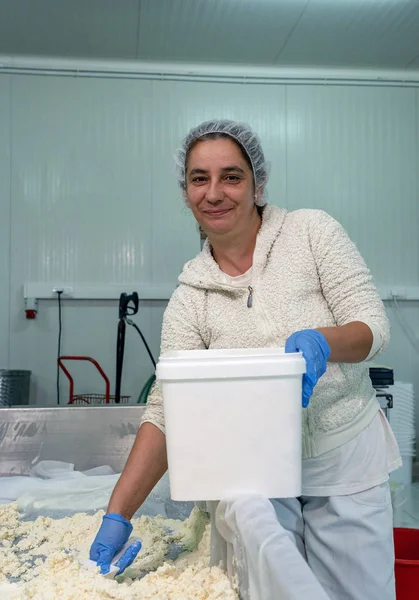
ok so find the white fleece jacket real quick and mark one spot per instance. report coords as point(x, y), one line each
point(306, 274)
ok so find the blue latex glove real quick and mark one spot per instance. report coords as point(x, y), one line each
point(316, 351)
point(128, 557)
point(112, 535)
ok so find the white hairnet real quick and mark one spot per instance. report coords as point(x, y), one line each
point(239, 132)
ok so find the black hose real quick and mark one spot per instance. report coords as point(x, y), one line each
point(120, 346)
point(60, 331)
point(128, 305)
point(144, 342)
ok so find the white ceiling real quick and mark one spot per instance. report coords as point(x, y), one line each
point(352, 33)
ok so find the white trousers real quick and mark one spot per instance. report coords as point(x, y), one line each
point(345, 545)
point(346, 540)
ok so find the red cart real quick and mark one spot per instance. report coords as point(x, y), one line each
point(92, 399)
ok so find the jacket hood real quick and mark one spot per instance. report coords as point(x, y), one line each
point(204, 273)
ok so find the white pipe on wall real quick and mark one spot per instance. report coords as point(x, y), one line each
point(46, 291)
point(163, 292)
point(206, 72)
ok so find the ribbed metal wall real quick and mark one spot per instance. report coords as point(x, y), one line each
point(359, 33)
point(81, 180)
point(95, 200)
point(82, 212)
point(352, 151)
point(233, 31)
point(4, 217)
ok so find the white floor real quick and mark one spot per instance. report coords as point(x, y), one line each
point(407, 515)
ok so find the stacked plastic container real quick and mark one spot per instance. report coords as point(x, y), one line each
point(403, 424)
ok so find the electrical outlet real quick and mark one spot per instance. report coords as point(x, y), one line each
point(398, 292)
point(66, 290)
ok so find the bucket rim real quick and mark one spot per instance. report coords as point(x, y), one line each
point(407, 562)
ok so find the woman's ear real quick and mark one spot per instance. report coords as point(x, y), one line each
point(259, 196)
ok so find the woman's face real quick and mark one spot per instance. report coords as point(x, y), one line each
point(219, 186)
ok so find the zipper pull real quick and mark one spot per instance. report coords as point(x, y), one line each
point(250, 297)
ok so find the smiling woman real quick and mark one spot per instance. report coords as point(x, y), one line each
point(270, 278)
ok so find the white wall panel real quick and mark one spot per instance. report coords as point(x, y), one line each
point(352, 151)
point(4, 218)
point(101, 28)
point(217, 31)
point(81, 180)
point(414, 64)
point(416, 127)
point(373, 33)
point(81, 212)
point(402, 356)
point(354, 32)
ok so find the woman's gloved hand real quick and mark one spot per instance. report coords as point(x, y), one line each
point(112, 535)
point(316, 352)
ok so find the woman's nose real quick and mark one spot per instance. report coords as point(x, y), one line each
point(214, 193)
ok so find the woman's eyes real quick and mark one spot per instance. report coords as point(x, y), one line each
point(228, 178)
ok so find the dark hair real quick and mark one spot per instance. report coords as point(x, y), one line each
point(219, 136)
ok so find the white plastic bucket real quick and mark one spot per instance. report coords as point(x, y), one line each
point(233, 422)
